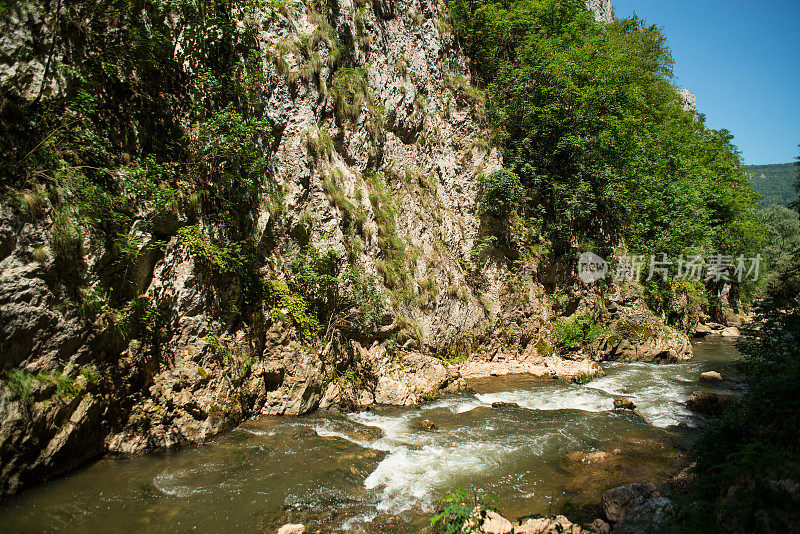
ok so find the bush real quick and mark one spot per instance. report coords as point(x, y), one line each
point(577, 331)
point(460, 512)
point(747, 461)
point(211, 255)
point(286, 303)
point(501, 192)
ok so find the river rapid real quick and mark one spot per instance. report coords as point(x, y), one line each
point(360, 470)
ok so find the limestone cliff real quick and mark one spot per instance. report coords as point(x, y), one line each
point(377, 140)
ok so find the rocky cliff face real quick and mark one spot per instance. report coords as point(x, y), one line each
point(378, 140)
point(603, 10)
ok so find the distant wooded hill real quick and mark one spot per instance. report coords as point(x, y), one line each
point(774, 182)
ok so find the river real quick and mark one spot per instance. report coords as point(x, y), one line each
point(344, 471)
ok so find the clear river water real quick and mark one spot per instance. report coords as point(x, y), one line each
point(353, 471)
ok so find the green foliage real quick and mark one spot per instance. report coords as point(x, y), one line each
point(775, 183)
point(350, 91)
point(40, 254)
point(459, 512)
point(91, 375)
point(590, 121)
point(19, 382)
point(92, 302)
point(783, 235)
point(219, 348)
point(103, 171)
point(392, 264)
point(220, 259)
point(247, 362)
point(66, 238)
point(287, 304)
point(227, 149)
point(577, 330)
point(368, 302)
point(747, 461)
point(66, 385)
point(500, 193)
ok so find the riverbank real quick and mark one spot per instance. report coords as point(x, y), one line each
point(532, 443)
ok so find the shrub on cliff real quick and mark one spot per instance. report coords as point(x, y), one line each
point(500, 192)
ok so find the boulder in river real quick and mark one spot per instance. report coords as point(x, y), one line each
point(598, 526)
point(702, 330)
point(292, 528)
point(621, 403)
point(490, 522)
point(617, 502)
point(711, 376)
point(502, 404)
point(426, 424)
point(707, 402)
point(730, 331)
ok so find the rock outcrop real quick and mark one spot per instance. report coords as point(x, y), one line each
point(689, 100)
point(603, 10)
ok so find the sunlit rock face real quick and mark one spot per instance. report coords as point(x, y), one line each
point(603, 10)
point(689, 100)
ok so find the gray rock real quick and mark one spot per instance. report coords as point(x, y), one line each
point(689, 100)
point(619, 501)
point(602, 9)
point(653, 516)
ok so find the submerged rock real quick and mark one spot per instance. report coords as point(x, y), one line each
point(426, 424)
point(621, 403)
point(502, 404)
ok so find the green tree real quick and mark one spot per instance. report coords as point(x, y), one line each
point(590, 120)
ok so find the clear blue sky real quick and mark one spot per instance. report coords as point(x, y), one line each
point(742, 60)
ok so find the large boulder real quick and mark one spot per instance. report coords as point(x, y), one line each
point(292, 528)
point(618, 502)
point(490, 522)
point(548, 525)
point(702, 330)
point(730, 331)
point(652, 516)
point(711, 376)
point(707, 402)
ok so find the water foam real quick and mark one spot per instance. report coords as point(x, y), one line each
point(420, 464)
